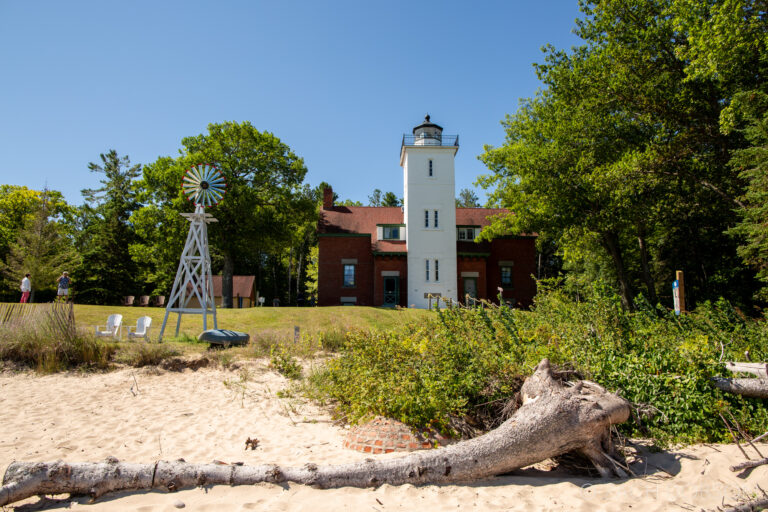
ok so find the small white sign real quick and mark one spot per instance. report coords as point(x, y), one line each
point(676, 295)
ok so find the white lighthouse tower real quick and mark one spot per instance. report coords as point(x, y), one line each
point(427, 159)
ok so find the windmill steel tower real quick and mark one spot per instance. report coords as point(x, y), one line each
point(203, 185)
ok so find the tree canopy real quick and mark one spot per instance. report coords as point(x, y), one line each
point(620, 157)
point(260, 215)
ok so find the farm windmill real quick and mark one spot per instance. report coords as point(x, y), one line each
point(204, 185)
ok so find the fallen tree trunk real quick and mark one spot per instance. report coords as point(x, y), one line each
point(749, 464)
point(554, 419)
point(757, 369)
point(750, 506)
point(754, 388)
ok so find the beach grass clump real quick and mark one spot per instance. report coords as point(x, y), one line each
point(46, 339)
point(144, 354)
point(459, 366)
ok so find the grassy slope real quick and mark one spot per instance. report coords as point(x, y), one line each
point(277, 321)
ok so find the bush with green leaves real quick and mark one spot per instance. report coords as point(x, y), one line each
point(458, 361)
point(283, 361)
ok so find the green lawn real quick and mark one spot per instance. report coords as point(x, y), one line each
point(278, 322)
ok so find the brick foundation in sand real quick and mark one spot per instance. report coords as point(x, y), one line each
point(385, 435)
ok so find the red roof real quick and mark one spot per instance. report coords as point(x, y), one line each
point(477, 216)
point(364, 219)
point(358, 219)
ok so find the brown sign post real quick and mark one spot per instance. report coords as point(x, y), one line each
point(678, 292)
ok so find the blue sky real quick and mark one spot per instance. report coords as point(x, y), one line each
point(339, 82)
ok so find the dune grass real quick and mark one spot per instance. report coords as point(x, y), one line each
point(45, 338)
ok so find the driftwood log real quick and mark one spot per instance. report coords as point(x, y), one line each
point(554, 419)
point(753, 388)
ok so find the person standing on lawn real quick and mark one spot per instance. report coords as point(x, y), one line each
point(26, 289)
point(63, 282)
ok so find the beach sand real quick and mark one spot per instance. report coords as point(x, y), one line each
point(142, 415)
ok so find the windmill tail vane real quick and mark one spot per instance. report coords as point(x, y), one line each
point(204, 185)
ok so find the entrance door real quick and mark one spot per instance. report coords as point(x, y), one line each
point(391, 291)
point(470, 287)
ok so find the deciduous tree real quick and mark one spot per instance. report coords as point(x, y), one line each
point(264, 184)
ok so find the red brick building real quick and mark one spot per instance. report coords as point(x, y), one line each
point(359, 266)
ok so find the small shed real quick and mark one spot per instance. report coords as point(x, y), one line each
point(243, 292)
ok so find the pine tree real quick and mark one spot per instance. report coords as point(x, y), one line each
point(107, 271)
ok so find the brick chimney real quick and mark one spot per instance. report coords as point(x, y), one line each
point(327, 198)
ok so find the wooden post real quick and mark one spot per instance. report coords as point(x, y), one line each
point(681, 282)
point(678, 293)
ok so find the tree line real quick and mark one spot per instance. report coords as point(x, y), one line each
point(127, 237)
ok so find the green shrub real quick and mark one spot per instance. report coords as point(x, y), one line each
point(460, 360)
point(282, 361)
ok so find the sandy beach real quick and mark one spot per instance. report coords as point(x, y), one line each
point(142, 415)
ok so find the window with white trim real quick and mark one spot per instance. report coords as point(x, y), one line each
point(435, 224)
point(465, 233)
point(391, 233)
point(426, 218)
point(435, 267)
point(349, 276)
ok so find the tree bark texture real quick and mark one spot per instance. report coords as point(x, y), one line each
point(749, 464)
point(753, 388)
point(610, 241)
point(649, 284)
point(554, 419)
point(758, 369)
point(750, 506)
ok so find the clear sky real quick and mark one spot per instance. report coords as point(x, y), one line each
point(338, 81)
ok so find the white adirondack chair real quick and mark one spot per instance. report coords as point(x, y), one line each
point(142, 328)
point(112, 329)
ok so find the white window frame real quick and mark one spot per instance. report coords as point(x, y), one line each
point(390, 237)
point(465, 234)
point(344, 275)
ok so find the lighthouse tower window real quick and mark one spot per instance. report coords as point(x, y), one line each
point(430, 169)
